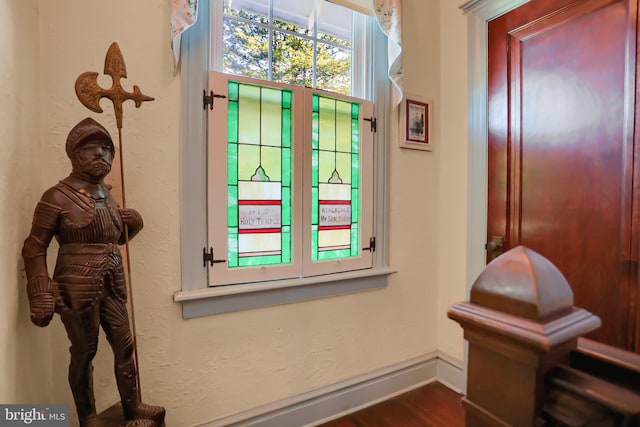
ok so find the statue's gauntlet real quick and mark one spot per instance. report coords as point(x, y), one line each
point(132, 220)
point(42, 300)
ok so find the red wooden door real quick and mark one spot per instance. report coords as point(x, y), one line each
point(561, 148)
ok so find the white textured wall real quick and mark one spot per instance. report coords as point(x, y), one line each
point(25, 370)
point(415, 180)
point(208, 367)
point(452, 276)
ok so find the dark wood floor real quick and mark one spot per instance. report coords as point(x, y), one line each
point(432, 405)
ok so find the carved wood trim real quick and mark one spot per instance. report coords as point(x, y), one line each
point(539, 336)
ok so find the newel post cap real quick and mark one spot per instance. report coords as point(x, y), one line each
point(522, 296)
point(523, 283)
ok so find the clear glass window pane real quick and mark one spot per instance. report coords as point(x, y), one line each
point(334, 23)
point(306, 42)
point(246, 49)
point(333, 68)
point(292, 59)
point(252, 10)
point(295, 16)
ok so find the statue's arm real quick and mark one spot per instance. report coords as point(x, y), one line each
point(132, 219)
point(40, 288)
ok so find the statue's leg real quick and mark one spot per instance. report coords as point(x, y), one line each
point(82, 330)
point(115, 322)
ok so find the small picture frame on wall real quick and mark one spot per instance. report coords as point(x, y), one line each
point(415, 126)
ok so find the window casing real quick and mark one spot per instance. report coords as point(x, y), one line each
point(196, 298)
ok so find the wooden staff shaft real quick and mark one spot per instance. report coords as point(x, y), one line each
point(128, 261)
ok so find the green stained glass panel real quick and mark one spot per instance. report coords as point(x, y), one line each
point(335, 254)
point(232, 209)
point(355, 238)
point(232, 164)
point(271, 111)
point(287, 167)
point(286, 246)
point(314, 242)
point(355, 170)
point(327, 124)
point(335, 179)
point(286, 207)
point(343, 126)
point(286, 128)
point(286, 99)
point(315, 130)
point(248, 161)
point(272, 162)
point(314, 168)
point(232, 122)
point(259, 207)
point(249, 114)
point(232, 260)
point(355, 136)
point(343, 166)
point(326, 165)
point(256, 261)
point(355, 206)
point(233, 91)
point(314, 206)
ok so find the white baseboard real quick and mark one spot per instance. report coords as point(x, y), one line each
point(348, 396)
point(451, 373)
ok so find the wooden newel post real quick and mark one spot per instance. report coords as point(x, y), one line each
point(519, 322)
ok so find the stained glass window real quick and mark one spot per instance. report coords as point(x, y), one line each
point(259, 168)
point(335, 179)
point(290, 181)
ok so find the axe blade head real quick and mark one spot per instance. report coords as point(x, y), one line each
point(88, 91)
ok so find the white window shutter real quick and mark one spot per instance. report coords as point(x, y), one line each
point(365, 258)
point(219, 272)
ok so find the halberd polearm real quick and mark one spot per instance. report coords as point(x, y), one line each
point(89, 93)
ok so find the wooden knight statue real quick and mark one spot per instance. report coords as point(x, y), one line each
point(88, 288)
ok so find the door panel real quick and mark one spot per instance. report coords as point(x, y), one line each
point(561, 147)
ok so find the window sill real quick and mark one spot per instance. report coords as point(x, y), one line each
point(225, 299)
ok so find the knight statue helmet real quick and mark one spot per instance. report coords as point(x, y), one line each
point(87, 130)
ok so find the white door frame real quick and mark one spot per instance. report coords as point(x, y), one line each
point(479, 13)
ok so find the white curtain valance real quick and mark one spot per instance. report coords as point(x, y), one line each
point(389, 16)
point(183, 15)
point(388, 13)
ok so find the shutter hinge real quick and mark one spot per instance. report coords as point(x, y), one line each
point(208, 257)
point(207, 100)
point(374, 123)
point(372, 245)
